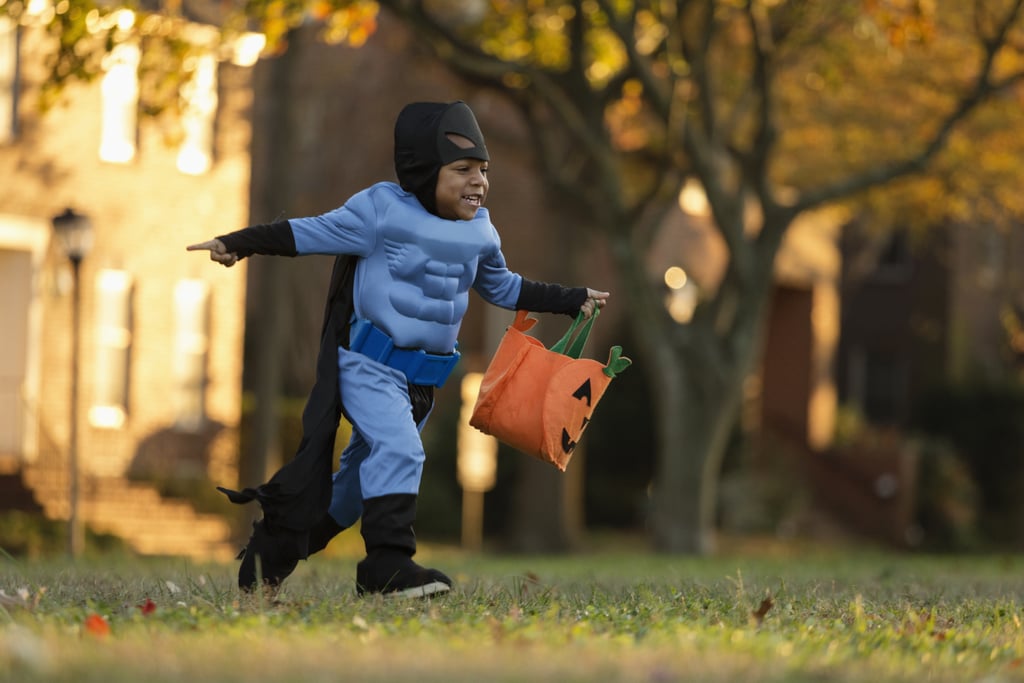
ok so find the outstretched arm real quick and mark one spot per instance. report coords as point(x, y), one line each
point(218, 252)
point(595, 300)
point(273, 239)
point(545, 297)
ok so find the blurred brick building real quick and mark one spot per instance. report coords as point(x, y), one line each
point(161, 330)
point(924, 309)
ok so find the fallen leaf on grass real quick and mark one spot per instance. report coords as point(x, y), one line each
point(760, 613)
point(97, 626)
point(147, 607)
point(28, 651)
point(927, 623)
point(497, 629)
point(22, 599)
point(529, 580)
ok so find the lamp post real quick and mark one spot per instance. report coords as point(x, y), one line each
point(476, 464)
point(75, 234)
point(681, 295)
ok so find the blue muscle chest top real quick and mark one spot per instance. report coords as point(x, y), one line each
point(416, 269)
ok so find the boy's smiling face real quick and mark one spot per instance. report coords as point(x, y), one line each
point(461, 186)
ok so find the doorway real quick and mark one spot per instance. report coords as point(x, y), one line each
point(22, 250)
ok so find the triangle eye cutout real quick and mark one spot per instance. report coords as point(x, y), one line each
point(460, 141)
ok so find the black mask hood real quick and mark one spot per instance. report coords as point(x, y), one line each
point(422, 146)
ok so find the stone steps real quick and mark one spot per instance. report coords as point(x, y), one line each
point(16, 496)
point(136, 512)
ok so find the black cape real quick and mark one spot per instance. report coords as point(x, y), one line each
point(299, 494)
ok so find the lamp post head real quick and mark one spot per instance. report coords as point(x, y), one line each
point(681, 295)
point(75, 234)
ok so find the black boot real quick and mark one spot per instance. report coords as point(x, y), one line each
point(322, 533)
point(271, 555)
point(390, 545)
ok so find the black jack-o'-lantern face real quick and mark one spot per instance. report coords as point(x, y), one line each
point(583, 395)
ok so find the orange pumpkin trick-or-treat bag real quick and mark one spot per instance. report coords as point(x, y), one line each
point(540, 400)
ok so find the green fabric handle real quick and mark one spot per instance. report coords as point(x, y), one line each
point(616, 362)
point(575, 338)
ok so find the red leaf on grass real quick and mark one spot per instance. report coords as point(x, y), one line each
point(97, 626)
point(762, 611)
point(147, 607)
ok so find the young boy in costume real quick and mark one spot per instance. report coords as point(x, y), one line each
point(407, 255)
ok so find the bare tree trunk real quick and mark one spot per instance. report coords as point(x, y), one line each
point(265, 451)
point(540, 524)
point(693, 434)
point(548, 503)
point(697, 375)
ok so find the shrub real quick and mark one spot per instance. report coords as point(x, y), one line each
point(985, 424)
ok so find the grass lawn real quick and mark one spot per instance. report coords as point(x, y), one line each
point(804, 615)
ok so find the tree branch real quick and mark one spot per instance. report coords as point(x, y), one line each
point(756, 161)
point(983, 89)
point(705, 151)
point(649, 215)
point(470, 62)
point(640, 66)
point(556, 171)
point(702, 75)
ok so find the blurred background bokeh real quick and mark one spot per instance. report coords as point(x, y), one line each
point(808, 214)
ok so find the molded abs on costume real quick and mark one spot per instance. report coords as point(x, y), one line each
point(414, 279)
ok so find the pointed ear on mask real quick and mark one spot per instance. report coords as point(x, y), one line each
point(423, 145)
point(459, 122)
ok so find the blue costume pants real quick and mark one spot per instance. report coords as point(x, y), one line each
point(385, 454)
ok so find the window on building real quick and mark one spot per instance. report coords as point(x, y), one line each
point(191, 349)
point(896, 259)
point(113, 343)
point(879, 385)
point(195, 155)
point(8, 79)
point(120, 92)
point(992, 266)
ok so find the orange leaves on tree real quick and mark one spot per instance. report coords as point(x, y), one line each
point(97, 626)
point(353, 24)
point(626, 119)
point(904, 21)
point(320, 10)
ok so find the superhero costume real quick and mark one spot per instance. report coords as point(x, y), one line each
point(400, 283)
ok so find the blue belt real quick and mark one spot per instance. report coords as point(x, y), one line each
point(419, 367)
